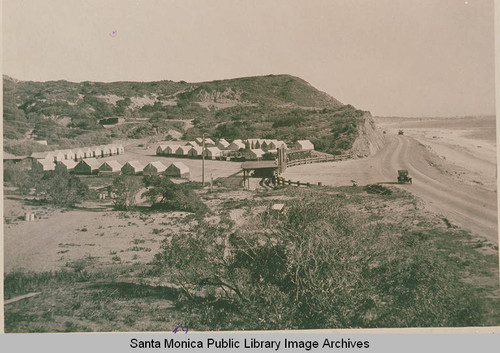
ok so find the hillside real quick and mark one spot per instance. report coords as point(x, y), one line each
point(67, 114)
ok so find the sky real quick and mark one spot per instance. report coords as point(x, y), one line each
point(391, 57)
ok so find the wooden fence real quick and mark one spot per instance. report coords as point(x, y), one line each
point(317, 159)
point(283, 181)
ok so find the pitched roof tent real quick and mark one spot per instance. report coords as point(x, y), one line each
point(236, 145)
point(92, 162)
point(44, 164)
point(69, 164)
point(257, 152)
point(177, 169)
point(87, 166)
point(136, 165)
point(208, 140)
point(195, 151)
point(183, 150)
point(304, 145)
point(213, 152)
point(161, 149)
point(111, 166)
point(154, 168)
point(222, 144)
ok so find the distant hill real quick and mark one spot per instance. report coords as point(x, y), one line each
point(67, 114)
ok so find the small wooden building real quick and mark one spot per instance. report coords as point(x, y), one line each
point(154, 168)
point(177, 170)
point(88, 166)
point(133, 168)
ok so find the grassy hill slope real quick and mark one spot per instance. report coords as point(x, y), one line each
point(67, 114)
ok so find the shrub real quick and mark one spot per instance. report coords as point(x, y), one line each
point(125, 187)
point(164, 194)
point(319, 266)
point(59, 187)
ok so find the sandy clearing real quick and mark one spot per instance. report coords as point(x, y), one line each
point(49, 244)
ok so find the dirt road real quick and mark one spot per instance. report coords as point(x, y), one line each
point(436, 182)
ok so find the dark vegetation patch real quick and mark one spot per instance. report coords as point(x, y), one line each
point(377, 189)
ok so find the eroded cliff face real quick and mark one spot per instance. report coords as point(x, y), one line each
point(370, 138)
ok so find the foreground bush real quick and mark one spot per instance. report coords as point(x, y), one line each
point(319, 267)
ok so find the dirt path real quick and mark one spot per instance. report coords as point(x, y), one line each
point(473, 207)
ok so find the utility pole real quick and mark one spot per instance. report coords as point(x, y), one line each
point(203, 162)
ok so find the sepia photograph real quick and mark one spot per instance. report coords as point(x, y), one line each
point(230, 165)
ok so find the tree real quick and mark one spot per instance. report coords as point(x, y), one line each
point(59, 187)
point(125, 188)
point(166, 195)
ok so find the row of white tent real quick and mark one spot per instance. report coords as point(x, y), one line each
point(188, 151)
point(212, 150)
point(80, 153)
point(92, 166)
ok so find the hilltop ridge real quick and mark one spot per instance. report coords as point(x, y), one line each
point(273, 106)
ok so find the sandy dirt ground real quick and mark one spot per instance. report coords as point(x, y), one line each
point(101, 237)
point(463, 192)
point(60, 238)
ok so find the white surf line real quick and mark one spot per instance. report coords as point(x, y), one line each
point(441, 203)
point(449, 193)
point(15, 299)
point(410, 159)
